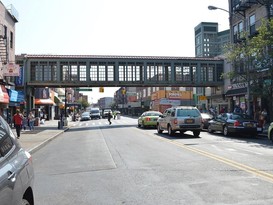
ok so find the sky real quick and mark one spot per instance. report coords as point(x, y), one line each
point(112, 27)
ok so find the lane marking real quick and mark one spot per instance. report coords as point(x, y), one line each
point(264, 175)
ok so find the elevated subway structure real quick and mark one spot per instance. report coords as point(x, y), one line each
point(71, 71)
point(120, 71)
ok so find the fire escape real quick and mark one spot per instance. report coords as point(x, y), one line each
point(3, 45)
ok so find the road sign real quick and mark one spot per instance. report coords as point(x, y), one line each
point(83, 89)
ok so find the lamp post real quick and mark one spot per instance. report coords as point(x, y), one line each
point(247, 96)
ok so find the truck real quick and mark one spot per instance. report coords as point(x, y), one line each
point(95, 113)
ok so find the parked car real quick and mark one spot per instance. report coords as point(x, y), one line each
point(148, 119)
point(229, 123)
point(85, 116)
point(16, 170)
point(106, 112)
point(206, 117)
point(270, 132)
point(181, 118)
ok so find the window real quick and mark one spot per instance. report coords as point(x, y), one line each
point(11, 39)
point(110, 73)
point(252, 28)
point(6, 142)
point(93, 73)
point(235, 33)
point(240, 29)
point(82, 73)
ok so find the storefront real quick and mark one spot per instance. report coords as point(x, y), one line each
point(4, 104)
point(16, 101)
point(237, 97)
point(44, 104)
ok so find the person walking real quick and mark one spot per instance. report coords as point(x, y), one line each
point(264, 117)
point(31, 119)
point(25, 121)
point(18, 122)
point(109, 117)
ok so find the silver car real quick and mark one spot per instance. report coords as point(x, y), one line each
point(16, 170)
point(181, 118)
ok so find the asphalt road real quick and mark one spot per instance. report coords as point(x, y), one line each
point(96, 163)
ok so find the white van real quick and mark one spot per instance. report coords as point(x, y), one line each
point(95, 113)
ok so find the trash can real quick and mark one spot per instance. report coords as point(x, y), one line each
point(118, 116)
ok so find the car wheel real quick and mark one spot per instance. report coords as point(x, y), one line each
point(170, 131)
point(143, 125)
point(196, 133)
point(210, 130)
point(225, 131)
point(139, 125)
point(158, 129)
point(25, 202)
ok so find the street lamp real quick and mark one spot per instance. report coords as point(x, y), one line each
point(231, 40)
point(215, 8)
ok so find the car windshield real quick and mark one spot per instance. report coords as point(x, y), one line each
point(152, 114)
point(94, 111)
point(234, 116)
point(187, 112)
point(85, 114)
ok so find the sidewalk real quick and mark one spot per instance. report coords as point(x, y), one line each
point(41, 135)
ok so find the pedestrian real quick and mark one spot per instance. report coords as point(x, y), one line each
point(264, 117)
point(114, 114)
point(31, 119)
point(18, 122)
point(25, 121)
point(109, 117)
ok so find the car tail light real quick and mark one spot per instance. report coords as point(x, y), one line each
point(175, 121)
point(148, 119)
point(236, 123)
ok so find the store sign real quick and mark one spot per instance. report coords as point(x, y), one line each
point(11, 69)
point(174, 94)
point(239, 85)
point(169, 102)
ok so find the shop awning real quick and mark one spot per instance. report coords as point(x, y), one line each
point(235, 92)
point(44, 102)
point(16, 96)
point(57, 99)
point(4, 96)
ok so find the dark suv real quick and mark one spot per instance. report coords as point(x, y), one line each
point(16, 170)
point(181, 118)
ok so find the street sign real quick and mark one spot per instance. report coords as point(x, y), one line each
point(83, 89)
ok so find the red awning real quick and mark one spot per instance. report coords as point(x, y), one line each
point(4, 96)
point(44, 102)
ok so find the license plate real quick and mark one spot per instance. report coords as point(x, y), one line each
point(249, 125)
point(189, 121)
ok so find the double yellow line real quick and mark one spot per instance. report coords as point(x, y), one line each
point(266, 176)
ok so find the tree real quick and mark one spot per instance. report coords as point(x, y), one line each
point(252, 64)
point(84, 103)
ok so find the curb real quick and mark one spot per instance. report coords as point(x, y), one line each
point(42, 144)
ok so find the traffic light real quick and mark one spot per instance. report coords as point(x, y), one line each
point(101, 89)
